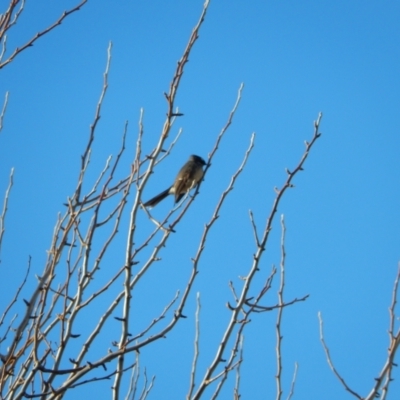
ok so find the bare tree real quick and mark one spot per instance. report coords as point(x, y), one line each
point(38, 362)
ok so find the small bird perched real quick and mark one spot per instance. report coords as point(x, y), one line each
point(188, 177)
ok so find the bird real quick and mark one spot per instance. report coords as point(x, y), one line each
point(188, 177)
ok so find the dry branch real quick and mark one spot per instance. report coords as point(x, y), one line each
point(243, 297)
point(9, 18)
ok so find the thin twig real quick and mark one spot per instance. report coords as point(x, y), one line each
point(330, 363)
point(236, 390)
point(86, 153)
point(279, 337)
point(3, 111)
point(170, 98)
point(385, 377)
point(196, 349)
point(7, 20)
point(293, 382)
point(30, 42)
point(255, 267)
point(133, 383)
point(5, 208)
point(253, 224)
point(147, 389)
point(259, 309)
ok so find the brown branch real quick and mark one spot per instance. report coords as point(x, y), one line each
point(30, 42)
point(257, 308)
point(5, 19)
point(385, 377)
point(52, 393)
point(14, 300)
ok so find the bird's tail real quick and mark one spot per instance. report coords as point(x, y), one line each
point(156, 199)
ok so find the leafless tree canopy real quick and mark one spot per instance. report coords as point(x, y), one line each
point(45, 352)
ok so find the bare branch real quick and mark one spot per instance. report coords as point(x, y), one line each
point(253, 224)
point(385, 377)
point(5, 25)
point(86, 154)
point(133, 384)
point(236, 390)
point(170, 98)
point(293, 382)
point(146, 389)
point(258, 308)
point(5, 208)
point(51, 352)
point(227, 125)
point(7, 20)
point(234, 320)
point(196, 349)
point(3, 111)
point(328, 357)
point(13, 301)
point(279, 338)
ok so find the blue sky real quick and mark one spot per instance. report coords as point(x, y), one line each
point(296, 59)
